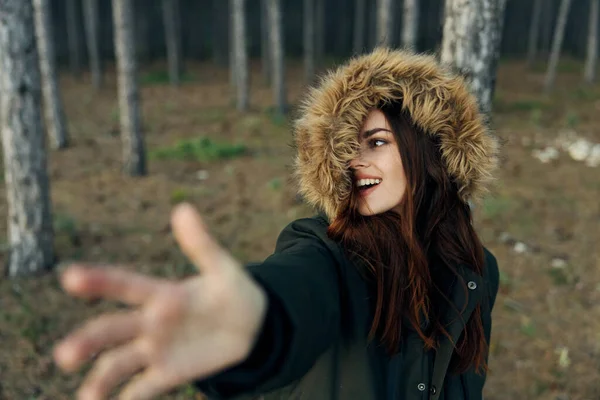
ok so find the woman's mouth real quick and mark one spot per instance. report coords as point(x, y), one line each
point(367, 186)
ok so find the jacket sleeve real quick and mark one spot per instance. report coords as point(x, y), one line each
point(303, 319)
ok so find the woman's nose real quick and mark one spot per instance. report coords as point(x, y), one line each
point(358, 162)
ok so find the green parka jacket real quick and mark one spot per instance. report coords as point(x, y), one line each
point(327, 304)
point(314, 341)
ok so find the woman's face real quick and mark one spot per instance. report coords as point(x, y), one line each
point(379, 161)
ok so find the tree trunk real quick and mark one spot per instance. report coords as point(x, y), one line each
point(171, 20)
point(534, 30)
point(73, 38)
point(559, 34)
point(591, 61)
point(410, 24)
point(471, 44)
point(276, 45)
point(134, 156)
point(240, 52)
point(360, 15)
point(320, 33)
point(30, 231)
point(90, 8)
point(309, 40)
point(384, 22)
point(55, 117)
point(220, 43)
point(265, 49)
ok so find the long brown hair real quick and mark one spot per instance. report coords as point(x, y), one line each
point(411, 255)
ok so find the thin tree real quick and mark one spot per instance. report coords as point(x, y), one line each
point(265, 49)
point(591, 60)
point(134, 155)
point(320, 33)
point(276, 45)
point(55, 116)
point(90, 11)
point(471, 44)
point(309, 40)
point(360, 15)
point(559, 34)
point(534, 32)
point(240, 53)
point(410, 23)
point(73, 37)
point(384, 22)
point(30, 231)
point(171, 21)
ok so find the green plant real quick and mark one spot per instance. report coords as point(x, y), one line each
point(179, 196)
point(572, 119)
point(200, 149)
point(275, 184)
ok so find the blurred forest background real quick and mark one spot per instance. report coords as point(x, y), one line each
point(147, 103)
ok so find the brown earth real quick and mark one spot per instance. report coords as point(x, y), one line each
point(546, 335)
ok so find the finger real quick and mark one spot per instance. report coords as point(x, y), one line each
point(147, 385)
point(110, 283)
point(197, 243)
point(111, 369)
point(101, 333)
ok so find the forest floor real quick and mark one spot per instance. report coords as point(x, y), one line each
point(542, 220)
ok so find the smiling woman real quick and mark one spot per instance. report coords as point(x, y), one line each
point(385, 294)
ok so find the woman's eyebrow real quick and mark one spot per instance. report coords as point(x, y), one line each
point(373, 131)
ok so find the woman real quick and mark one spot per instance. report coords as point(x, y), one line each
point(385, 294)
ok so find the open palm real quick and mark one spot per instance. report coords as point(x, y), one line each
point(175, 331)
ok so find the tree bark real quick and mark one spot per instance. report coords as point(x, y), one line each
point(276, 45)
point(55, 117)
point(265, 49)
point(309, 40)
point(410, 24)
point(384, 22)
point(559, 35)
point(134, 155)
point(91, 25)
point(30, 231)
point(73, 38)
point(471, 44)
point(360, 15)
point(240, 52)
point(534, 31)
point(591, 61)
point(171, 20)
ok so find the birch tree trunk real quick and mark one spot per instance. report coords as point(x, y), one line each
point(591, 60)
point(276, 44)
point(240, 52)
point(55, 117)
point(90, 8)
point(360, 15)
point(384, 22)
point(471, 44)
point(534, 31)
point(73, 38)
point(265, 49)
point(30, 231)
point(559, 34)
point(410, 24)
point(171, 20)
point(134, 156)
point(309, 40)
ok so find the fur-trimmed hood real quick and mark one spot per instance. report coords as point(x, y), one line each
point(439, 102)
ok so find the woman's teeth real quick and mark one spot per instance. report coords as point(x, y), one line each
point(365, 182)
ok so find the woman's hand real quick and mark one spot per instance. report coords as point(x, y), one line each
point(175, 332)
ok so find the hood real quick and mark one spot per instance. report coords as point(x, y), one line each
point(439, 102)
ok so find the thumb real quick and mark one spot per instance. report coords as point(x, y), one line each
point(196, 242)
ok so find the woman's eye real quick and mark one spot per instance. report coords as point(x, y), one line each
point(378, 142)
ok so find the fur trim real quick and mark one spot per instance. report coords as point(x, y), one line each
point(331, 115)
